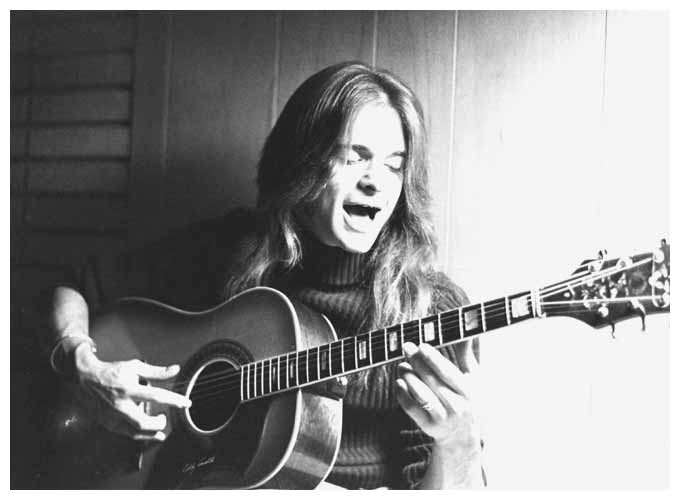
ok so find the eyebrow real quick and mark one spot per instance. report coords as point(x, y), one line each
point(364, 151)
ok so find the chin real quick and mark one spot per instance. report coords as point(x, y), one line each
point(357, 245)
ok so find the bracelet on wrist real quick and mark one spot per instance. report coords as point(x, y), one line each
point(57, 349)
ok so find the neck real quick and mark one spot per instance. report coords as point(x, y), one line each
point(367, 350)
point(330, 265)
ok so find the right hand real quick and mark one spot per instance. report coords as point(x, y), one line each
point(112, 392)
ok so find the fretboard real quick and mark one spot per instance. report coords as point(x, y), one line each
point(351, 354)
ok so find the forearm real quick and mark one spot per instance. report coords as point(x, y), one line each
point(454, 467)
point(67, 327)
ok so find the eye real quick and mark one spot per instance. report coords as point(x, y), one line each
point(395, 162)
point(354, 158)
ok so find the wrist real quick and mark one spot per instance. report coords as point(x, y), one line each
point(71, 353)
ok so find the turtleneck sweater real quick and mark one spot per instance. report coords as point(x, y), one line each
point(380, 444)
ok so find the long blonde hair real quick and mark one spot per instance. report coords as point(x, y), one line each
point(295, 164)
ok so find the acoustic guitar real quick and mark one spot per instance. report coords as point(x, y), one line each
point(257, 370)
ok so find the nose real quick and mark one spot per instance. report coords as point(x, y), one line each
point(369, 181)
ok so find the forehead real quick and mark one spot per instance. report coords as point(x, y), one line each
point(378, 127)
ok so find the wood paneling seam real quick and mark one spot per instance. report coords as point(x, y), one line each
point(449, 167)
point(276, 77)
point(374, 45)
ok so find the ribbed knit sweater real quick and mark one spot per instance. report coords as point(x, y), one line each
point(380, 445)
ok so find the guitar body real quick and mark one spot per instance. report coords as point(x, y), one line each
point(287, 440)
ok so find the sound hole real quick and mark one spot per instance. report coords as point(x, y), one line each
point(215, 392)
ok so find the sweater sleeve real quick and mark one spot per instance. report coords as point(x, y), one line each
point(416, 446)
point(186, 269)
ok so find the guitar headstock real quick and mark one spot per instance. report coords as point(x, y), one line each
point(603, 291)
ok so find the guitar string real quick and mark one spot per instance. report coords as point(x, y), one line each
point(232, 382)
point(208, 383)
point(266, 377)
point(487, 316)
point(375, 341)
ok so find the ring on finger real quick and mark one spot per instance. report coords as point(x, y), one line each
point(427, 406)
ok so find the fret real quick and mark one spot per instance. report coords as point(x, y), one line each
point(248, 383)
point(521, 306)
point(439, 329)
point(385, 342)
point(243, 382)
point(282, 373)
point(472, 320)
point(363, 350)
point(337, 367)
point(349, 353)
point(325, 361)
point(496, 314)
point(302, 375)
point(273, 374)
point(313, 364)
point(269, 376)
point(401, 338)
point(460, 323)
point(258, 379)
point(291, 370)
point(507, 310)
point(378, 346)
point(263, 374)
point(393, 342)
point(430, 330)
point(411, 332)
point(370, 349)
point(450, 326)
point(482, 314)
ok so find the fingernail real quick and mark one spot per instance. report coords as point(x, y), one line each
point(410, 349)
point(160, 436)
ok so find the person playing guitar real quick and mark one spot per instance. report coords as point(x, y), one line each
point(342, 225)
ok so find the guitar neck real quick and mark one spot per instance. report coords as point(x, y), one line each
point(367, 350)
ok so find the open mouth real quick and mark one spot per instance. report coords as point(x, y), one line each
point(359, 210)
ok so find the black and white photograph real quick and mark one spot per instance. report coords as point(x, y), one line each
point(340, 249)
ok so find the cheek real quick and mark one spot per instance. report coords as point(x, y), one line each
point(395, 186)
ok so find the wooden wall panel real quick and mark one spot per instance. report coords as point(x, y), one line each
point(83, 70)
point(18, 111)
point(87, 105)
point(19, 73)
point(17, 172)
point(419, 47)
point(310, 41)
point(527, 147)
point(218, 111)
point(89, 32)
point(97, 214)
point(81, 141)
point(78, 177)
point(18, 142)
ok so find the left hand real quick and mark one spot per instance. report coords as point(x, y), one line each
point(437, 395)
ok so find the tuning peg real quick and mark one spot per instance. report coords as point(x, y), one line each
point(613, 325)
point(602, 254)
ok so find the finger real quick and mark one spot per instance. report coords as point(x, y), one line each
point(153, 372)
point(125, 428)
point(449, 399)
point(430, 363)
point(410, 405)
point(140, 421)
point(159, 395)
point(465, 353)
point(426, 399)
point(156, 436)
